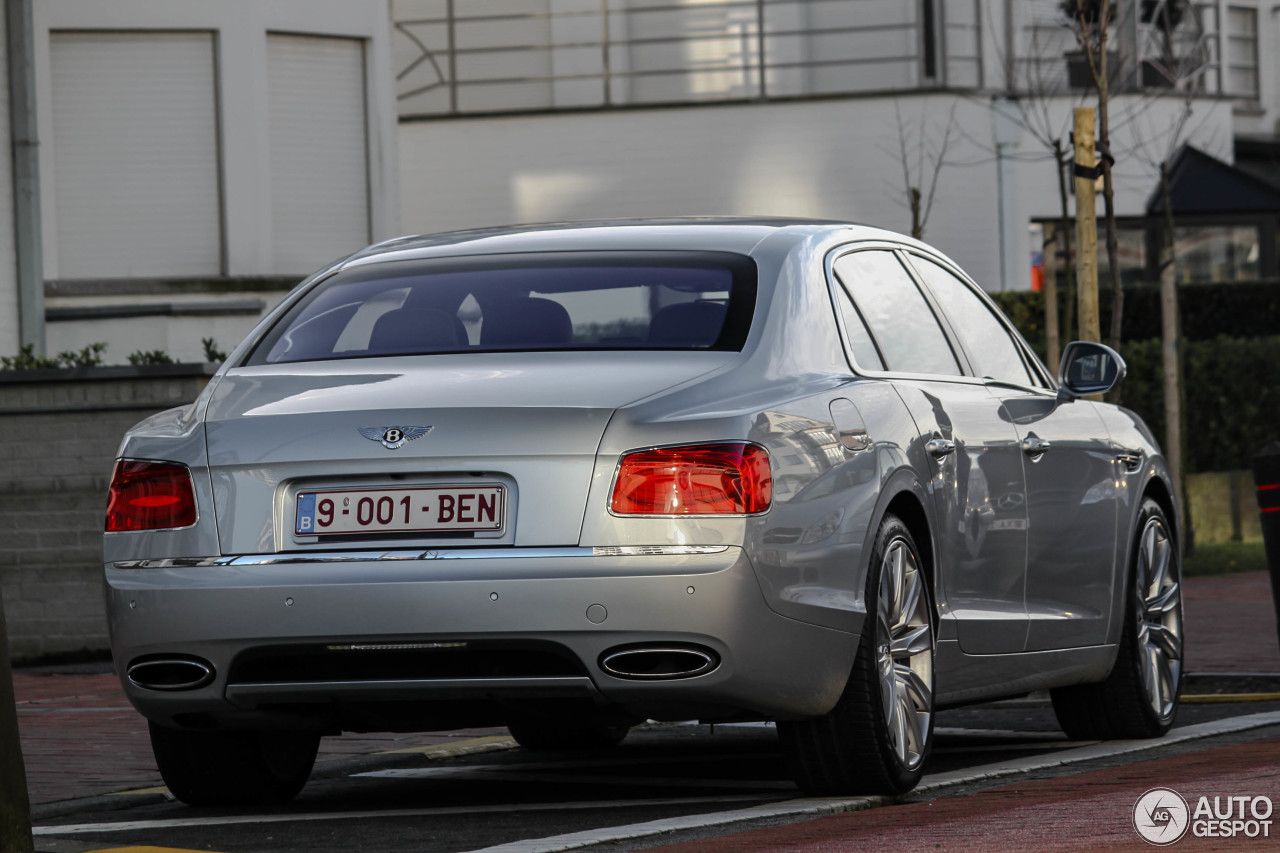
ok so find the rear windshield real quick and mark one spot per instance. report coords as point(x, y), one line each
point(545, 301)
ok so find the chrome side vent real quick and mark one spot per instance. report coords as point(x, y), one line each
point(1130, 459)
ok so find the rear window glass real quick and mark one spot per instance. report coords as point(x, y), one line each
point(553, 301)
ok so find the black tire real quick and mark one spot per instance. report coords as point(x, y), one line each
point(877, 738)
point(1139, 699)
point(547, 734)
point(223, 768)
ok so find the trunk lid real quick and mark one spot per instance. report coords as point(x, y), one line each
point(527, 422)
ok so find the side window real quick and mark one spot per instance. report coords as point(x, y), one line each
point(993, 349)
point(900, 320)
point(864, 349)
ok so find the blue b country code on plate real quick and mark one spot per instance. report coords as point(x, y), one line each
point(428, 509)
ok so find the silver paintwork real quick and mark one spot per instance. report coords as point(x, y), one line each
point(1024, 551)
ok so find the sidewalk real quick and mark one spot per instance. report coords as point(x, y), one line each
point(80, 737)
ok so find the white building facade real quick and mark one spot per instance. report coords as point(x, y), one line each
point(196, 160)
point(532, 110)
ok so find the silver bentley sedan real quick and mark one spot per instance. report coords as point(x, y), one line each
point(570, 478)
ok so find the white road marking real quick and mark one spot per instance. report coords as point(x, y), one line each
point(229, 820)
point(934, 782)
point(787, 808)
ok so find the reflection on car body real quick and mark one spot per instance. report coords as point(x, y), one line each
point(568, 478)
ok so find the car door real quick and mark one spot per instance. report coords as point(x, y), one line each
point(1071, 498)
point(976, 468)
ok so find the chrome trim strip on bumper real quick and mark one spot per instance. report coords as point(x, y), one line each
point(429, 554)
point(253, 694)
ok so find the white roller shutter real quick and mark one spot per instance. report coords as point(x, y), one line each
point(319, 152)
point(135, 142)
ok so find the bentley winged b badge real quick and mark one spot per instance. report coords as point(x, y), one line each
point(394, 437)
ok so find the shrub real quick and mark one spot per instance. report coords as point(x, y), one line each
point(1231, 404)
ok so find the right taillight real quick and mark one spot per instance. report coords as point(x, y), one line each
point(149, 495)
point(731, 478)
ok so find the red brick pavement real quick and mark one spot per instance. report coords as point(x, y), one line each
point(81, 738)
point(1231, 624)
point(1073, 814)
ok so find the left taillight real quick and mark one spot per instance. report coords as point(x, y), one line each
point(701, 479)
point(148, 495)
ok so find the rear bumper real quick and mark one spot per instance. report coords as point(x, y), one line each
point(581, 602)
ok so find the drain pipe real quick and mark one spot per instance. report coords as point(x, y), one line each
point(26, 173)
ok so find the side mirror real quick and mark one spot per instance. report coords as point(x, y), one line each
point(1089, 368)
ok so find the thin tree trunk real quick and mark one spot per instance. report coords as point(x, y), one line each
point(1108, 193)
point(1052, 322)
point(1169, 334)
point(1086, 229)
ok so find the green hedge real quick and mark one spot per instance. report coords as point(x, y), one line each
point(1231, 398)
point(1241, 309)
point(1231, 363)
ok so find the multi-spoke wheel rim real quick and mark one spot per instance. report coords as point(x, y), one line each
point(1159, 618)
point(904, 653)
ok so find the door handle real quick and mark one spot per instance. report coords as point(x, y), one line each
point(940, 447)
point(1034, 446)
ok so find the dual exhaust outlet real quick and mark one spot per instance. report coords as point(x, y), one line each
point(170, 673)
point(658, 662)
point(663, 662)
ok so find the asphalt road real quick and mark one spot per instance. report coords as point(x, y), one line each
point(685, 777)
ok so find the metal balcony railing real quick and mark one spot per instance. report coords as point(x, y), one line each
point(469, 56)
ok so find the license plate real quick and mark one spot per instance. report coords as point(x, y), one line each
point(434, 509)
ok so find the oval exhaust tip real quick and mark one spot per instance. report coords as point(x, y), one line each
point(170, 673)
point(654, 663)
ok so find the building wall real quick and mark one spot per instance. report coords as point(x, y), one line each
point(227, 143)
point(837, 158)
point(57, 442)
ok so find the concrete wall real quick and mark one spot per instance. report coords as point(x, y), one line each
point(58, 439)
point(837, 158)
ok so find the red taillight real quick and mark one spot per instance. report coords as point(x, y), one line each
point(150, 496)
point(702, 479)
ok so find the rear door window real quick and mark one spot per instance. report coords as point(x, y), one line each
point(905, 330)
point(548, 301)
point(990, 345)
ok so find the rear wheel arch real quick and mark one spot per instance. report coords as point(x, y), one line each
point(908, 507)
point(1159, 491)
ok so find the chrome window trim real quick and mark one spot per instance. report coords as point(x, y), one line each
point(1028, 355)
point(964, 377)
point(418, 554)
point(967, 377)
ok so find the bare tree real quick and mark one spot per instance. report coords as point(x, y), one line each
point(919, 144)
point(1090, 21)
point(1159, 150)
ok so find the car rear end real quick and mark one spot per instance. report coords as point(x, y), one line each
point(393, 511)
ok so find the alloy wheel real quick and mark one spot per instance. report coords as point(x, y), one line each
point(1159, 618)
point(904, 653)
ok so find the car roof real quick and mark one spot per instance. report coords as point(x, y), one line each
point(729, 234)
